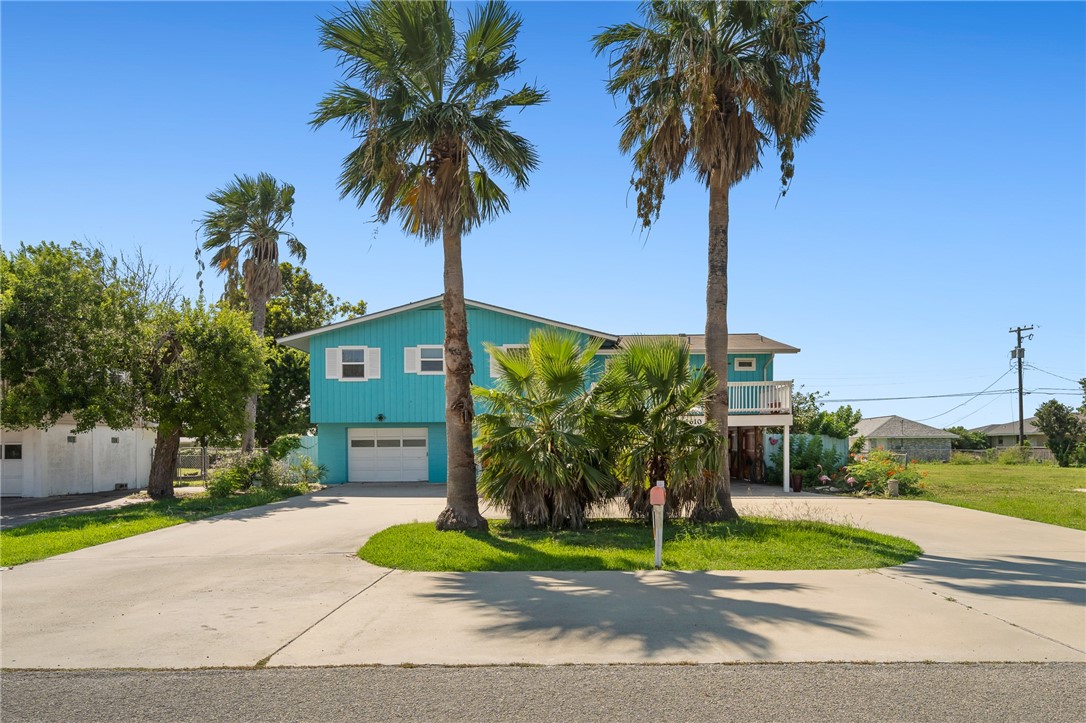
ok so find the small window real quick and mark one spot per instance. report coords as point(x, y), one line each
point(354, 364)
point(431, 360)
point(71, 439)
point(114, 440)
point(414, 443)
point(745, 364)
point(361, 442)
point(13, 451)
point(388, 443)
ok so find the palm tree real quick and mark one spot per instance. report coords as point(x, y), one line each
point(654, 394)
point(542, 443)
point(427, 113)
point(247, 223)
point(709, 85)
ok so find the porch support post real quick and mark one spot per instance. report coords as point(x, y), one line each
point(787, 457)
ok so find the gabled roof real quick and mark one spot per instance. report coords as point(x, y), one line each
point(895, 427)
point(301, 340)
point(1009, 428)
point(737, 343)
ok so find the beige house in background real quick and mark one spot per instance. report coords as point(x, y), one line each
point(1001, 436)
point(897, 434)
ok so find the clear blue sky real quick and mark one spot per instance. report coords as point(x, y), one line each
point(940, 203)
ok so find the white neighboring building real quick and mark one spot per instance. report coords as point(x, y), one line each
point(56, 461)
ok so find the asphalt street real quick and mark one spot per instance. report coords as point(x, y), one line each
point(991, 692)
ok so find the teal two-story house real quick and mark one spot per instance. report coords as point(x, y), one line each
point(377, 392)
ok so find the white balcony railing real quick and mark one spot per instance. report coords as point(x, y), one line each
point(760, 397)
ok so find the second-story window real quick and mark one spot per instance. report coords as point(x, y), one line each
point(352, 363)
point(424, 359)
point(431, 359)
point(745, 364)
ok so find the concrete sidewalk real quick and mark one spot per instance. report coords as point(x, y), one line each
point(279, 585)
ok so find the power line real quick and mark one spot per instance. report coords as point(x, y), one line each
point(959, 406)
point(1051, 374)
point(922, 396)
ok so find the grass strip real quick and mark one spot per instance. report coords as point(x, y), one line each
point(1042, 493)
point(755, 543)
point(57, 535)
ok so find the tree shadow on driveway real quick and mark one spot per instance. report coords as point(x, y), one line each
point(1023, 577)
point(658, 613)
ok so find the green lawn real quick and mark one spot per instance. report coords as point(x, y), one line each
point(752, 544)
point(58, 535)
point(1042, 493)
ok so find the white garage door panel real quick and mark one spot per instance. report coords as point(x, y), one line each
point(387, 455)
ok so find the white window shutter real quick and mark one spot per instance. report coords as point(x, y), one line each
point(411, 360)
point(373, 363)
point(495, 370)
point(331, 363)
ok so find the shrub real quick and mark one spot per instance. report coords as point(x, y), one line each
point(253, 469)
point(871, 474)
point(965, 458)
point(809, 458)
point(305, 474)
point(1016, 455)
point(281, 448)
point(223, 483)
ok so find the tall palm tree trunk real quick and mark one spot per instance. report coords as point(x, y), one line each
point(462, 499)
point(260, 313)
point(716, 342)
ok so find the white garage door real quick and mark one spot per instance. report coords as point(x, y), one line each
point(387, 455)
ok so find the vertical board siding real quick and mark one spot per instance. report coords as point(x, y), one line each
point(403, 398)
point(762, 372)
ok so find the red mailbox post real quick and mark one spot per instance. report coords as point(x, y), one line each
point(658, 498)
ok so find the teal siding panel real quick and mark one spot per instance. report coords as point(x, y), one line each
point(332, 451)
point(762, 372)
point(438, 454)
point(401, 398)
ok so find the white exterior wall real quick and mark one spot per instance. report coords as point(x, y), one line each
point(51, 465)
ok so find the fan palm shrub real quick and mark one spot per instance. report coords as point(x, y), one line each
point(656, 399)
point(426, 105)
point(543, 445)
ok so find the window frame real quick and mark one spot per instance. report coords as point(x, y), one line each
point(753, 361)
point(371, 363)
point(423, 372)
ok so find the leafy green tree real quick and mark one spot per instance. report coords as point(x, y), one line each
point(708, 86)
point(541, 449)
point(655, 396)
point(1082, 407)
point(202, 365)
point(244, 229)
point(427, 111)
point(806, 408)
point(840, 423)
point(1063, 429)
point(967, 439)
point(69, 341)
point(302, 304)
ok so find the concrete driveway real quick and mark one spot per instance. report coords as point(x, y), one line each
point(280, 586)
